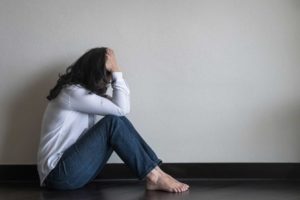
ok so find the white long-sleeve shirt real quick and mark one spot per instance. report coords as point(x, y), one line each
point(70, 114)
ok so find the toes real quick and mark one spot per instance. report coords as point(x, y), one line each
point(179, 189)
point(184, 187)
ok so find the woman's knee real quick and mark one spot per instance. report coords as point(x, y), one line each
point(112, 117)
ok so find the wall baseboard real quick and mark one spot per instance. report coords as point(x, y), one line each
point(284, 171)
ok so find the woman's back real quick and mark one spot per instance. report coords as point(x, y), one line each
point(58, 131)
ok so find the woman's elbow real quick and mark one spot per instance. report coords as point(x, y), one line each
point(127, 111)
point(123, 112)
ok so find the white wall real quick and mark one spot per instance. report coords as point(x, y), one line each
point(211, 81)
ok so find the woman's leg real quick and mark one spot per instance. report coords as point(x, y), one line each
point(83, 160)
point(157, 179)
point(145, 146)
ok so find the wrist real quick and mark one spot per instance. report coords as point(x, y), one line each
point(116, 76)
point(116, 69)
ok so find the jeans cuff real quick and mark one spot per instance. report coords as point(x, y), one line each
point(157, 163)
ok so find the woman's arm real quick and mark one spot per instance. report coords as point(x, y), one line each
point(119, 104)
point(121, 92)
point(79, 99)
point(122, 99)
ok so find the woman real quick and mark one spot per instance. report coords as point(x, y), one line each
point(73, 149)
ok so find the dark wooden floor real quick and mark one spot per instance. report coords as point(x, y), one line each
point(133, 189)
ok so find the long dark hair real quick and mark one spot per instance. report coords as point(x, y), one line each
point(89, 71)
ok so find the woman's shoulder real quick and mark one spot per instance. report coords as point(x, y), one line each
point(73, 87)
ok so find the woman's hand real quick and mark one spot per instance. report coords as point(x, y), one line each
point(111, 62)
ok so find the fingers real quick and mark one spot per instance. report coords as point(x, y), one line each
point(110, 54)
point(110, 59)
point(109, 51)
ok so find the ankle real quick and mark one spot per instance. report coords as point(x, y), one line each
point(153, 175)
point(159, 169)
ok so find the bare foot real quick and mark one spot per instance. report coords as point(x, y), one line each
point(158, 169)
point(159, 180)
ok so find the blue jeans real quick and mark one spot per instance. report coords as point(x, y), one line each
point(84, 159)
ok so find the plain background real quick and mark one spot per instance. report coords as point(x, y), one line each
point(210, 81)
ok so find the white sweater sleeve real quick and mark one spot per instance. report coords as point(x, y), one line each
point(119, 104)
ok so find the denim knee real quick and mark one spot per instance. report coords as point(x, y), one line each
point(112, 117)
point(113, 120)
point(108, 119)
